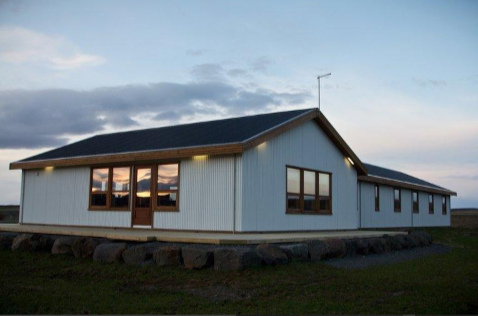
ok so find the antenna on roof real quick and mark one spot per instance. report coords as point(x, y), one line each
point(318, 78)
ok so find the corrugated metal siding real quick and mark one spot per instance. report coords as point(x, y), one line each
point(60, 197)
point(206, 196)
point(386, 217)
point(264, 182)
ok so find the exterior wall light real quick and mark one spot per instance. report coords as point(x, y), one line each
point(200, 157)
point(48, 168)
point(350, 160)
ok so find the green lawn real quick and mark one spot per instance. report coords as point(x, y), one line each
point(440, 284)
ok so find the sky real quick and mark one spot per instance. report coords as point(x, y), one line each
point(403, 91)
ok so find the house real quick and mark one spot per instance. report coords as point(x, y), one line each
point(287, 171)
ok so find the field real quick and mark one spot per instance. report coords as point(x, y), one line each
point(9, 213)
point(438, 284)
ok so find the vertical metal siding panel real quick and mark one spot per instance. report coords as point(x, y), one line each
point(61, 197)
point(264, 181)
point(206, 196)
point(238, 193)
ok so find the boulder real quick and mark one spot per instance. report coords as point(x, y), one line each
point(235, 259)
point(27, 242)
point(296, 251)
point(84, 247)
point(271, 254)
point(6, 240)
point(386, 244)
point(318, 250)
point(168, 256)
point(109, 252)
point(362, 246)
point(420, 238)
point(351, 249)
point(62, 245)
point(197, 258)
point(45, 243)
point(336, 248)
point(375, 246)
point(398, 242)
point(141, 254)
point(409, 242)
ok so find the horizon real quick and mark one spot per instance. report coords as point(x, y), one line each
point(403, 91)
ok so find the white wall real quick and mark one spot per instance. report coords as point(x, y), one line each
point(386, 217)
point(206, 199)
point(264, 182)
point(61, 197)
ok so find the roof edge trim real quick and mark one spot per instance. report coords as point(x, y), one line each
point(405, 184)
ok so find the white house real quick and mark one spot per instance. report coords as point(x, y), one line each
point(288, 171)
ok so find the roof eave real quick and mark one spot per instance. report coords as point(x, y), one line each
point(405, 185)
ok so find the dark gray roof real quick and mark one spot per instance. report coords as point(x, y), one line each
point(233, 130)
point(398, 176)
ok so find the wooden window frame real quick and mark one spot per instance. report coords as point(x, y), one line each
point(399, 208)
point(301, 195)
point(108, 192)
point(376, 195)
point(431, 205)
point(443, 205)
point(157, 208)
point(417, 210)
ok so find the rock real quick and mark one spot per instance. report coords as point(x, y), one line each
point(141, 254)
point(168, 256)
point(409, 242)
point(386, 244)
point(296, 251)
point(375, 246)
point(336, 248)
point(62, 245)
point(318, 250)
point(109, 252)
point(45, 243)
point(84, 247)
point(398, 242)
point(27, 242)
point(6, 240)
point(420, 238)
point(235, 259)
point(197, 258)
point(362, 246)
point(271, 254)
point(351, 249)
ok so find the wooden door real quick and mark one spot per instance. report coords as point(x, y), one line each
point(142, 210)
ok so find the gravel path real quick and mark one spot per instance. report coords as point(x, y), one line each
point(362, 262)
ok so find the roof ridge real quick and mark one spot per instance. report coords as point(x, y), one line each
point(202, 122)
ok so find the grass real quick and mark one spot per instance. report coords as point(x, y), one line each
point(442, 284)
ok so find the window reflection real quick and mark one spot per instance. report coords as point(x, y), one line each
point(100, 180)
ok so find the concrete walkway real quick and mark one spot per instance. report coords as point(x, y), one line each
point(193, 237)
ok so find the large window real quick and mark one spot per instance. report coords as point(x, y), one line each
point(397, 200)
point(443, 205)
point(308, 191)
point(167, 188)
point(431, 209)
point(377, 198)
point(110, 188)
point(415, 203)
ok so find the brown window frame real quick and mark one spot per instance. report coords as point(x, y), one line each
point(376, 194)
point(399, 208)
point(417, 204)
point(109, 191)
point(431, 205)
point(443, 205)
point(301, 195)
point(157, 208)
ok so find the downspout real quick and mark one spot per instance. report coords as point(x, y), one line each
point(234, 198)
point(359, 204)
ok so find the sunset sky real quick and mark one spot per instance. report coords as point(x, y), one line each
point(403, 91)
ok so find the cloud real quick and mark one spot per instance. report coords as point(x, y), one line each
point(236, 72)
point(429, 82)
point(20, 45)
point(47, 118)
point(262, 63)
point(461, 177)
point(208, 72)
point(194, 52)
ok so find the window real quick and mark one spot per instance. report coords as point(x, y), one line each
point(397, 203)
point(167, 187)
point(443, 205)
point(110, 188)
point(308, 191)
point(377, 198)
point(415, 206)
point(430, 204)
